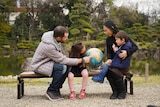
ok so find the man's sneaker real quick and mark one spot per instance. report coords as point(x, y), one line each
point(59, 94)
point(72, 95)
point(82, 94)
point(53, 96)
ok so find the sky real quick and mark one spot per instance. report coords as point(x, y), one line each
point(148, 7)
point(18, 3)
point(145, 6)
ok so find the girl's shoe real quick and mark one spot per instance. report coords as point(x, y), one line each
point(82, 94)
point(72, 95)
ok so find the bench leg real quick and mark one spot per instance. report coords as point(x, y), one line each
point(19, 90)
point(126, 87)
point(131, 87)
point(22, 87)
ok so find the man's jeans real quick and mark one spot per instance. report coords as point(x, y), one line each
point(59, 74)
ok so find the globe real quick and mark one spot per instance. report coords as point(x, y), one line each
point(97, 57)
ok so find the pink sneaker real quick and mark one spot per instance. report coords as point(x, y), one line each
point(72, 95)
point(82, 94)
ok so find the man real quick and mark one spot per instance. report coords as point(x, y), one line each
point(49, 60)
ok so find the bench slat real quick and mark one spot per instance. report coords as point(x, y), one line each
point(32, 74)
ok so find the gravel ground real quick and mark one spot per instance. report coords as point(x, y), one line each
point(97, 96)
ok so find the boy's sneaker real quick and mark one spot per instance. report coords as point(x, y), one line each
point(53, 96)
point(96, 80)
point(82, 94)
point(72, 95)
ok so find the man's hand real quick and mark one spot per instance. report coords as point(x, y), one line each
point(123, 55)
point(87, 59)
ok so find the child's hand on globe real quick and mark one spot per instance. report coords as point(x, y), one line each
point(87, 59)
point(108, 62)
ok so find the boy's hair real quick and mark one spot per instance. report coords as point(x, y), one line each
point(59, 31)
point(76, 50)
point(122, 35)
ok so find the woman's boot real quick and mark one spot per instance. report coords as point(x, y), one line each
point(113, 87)
point(120, 88)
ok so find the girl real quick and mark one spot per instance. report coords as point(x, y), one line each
point(78, 51)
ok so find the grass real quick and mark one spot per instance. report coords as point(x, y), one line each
point(13, 82)
point(139, 81)
point(32, 82)
point(152, 80)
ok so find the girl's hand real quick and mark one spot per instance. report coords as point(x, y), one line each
point(123, 55)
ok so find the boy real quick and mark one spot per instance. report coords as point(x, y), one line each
point(118, 66)
point(123, 44)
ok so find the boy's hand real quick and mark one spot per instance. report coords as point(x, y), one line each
point(108, 62)
point(114, 48)
point(123, 55)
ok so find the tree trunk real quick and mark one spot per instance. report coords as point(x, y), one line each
point(31, 30)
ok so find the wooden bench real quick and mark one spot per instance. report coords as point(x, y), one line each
point(31, 74)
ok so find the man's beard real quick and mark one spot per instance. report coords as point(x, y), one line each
point(59, 41)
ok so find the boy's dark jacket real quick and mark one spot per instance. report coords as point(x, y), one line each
point(119, 63)
point(110, 52)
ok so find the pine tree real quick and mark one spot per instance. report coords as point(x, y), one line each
point(79, 17)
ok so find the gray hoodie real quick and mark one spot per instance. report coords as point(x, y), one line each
point(47, 53)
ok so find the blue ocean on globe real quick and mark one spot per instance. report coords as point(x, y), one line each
point(97, 57)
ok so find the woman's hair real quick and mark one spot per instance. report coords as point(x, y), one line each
point(76, 50)
point(111, 26)
point(122, 35)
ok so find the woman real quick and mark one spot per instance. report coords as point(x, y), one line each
point(118, 87)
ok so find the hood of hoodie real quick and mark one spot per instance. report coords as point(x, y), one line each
point(48, 38)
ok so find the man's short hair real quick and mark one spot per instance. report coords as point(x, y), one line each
point(59, 31)
point(122, 35)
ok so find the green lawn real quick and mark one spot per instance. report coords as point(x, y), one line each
point(139, 81)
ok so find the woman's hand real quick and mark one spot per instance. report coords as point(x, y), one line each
point(123, 55)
